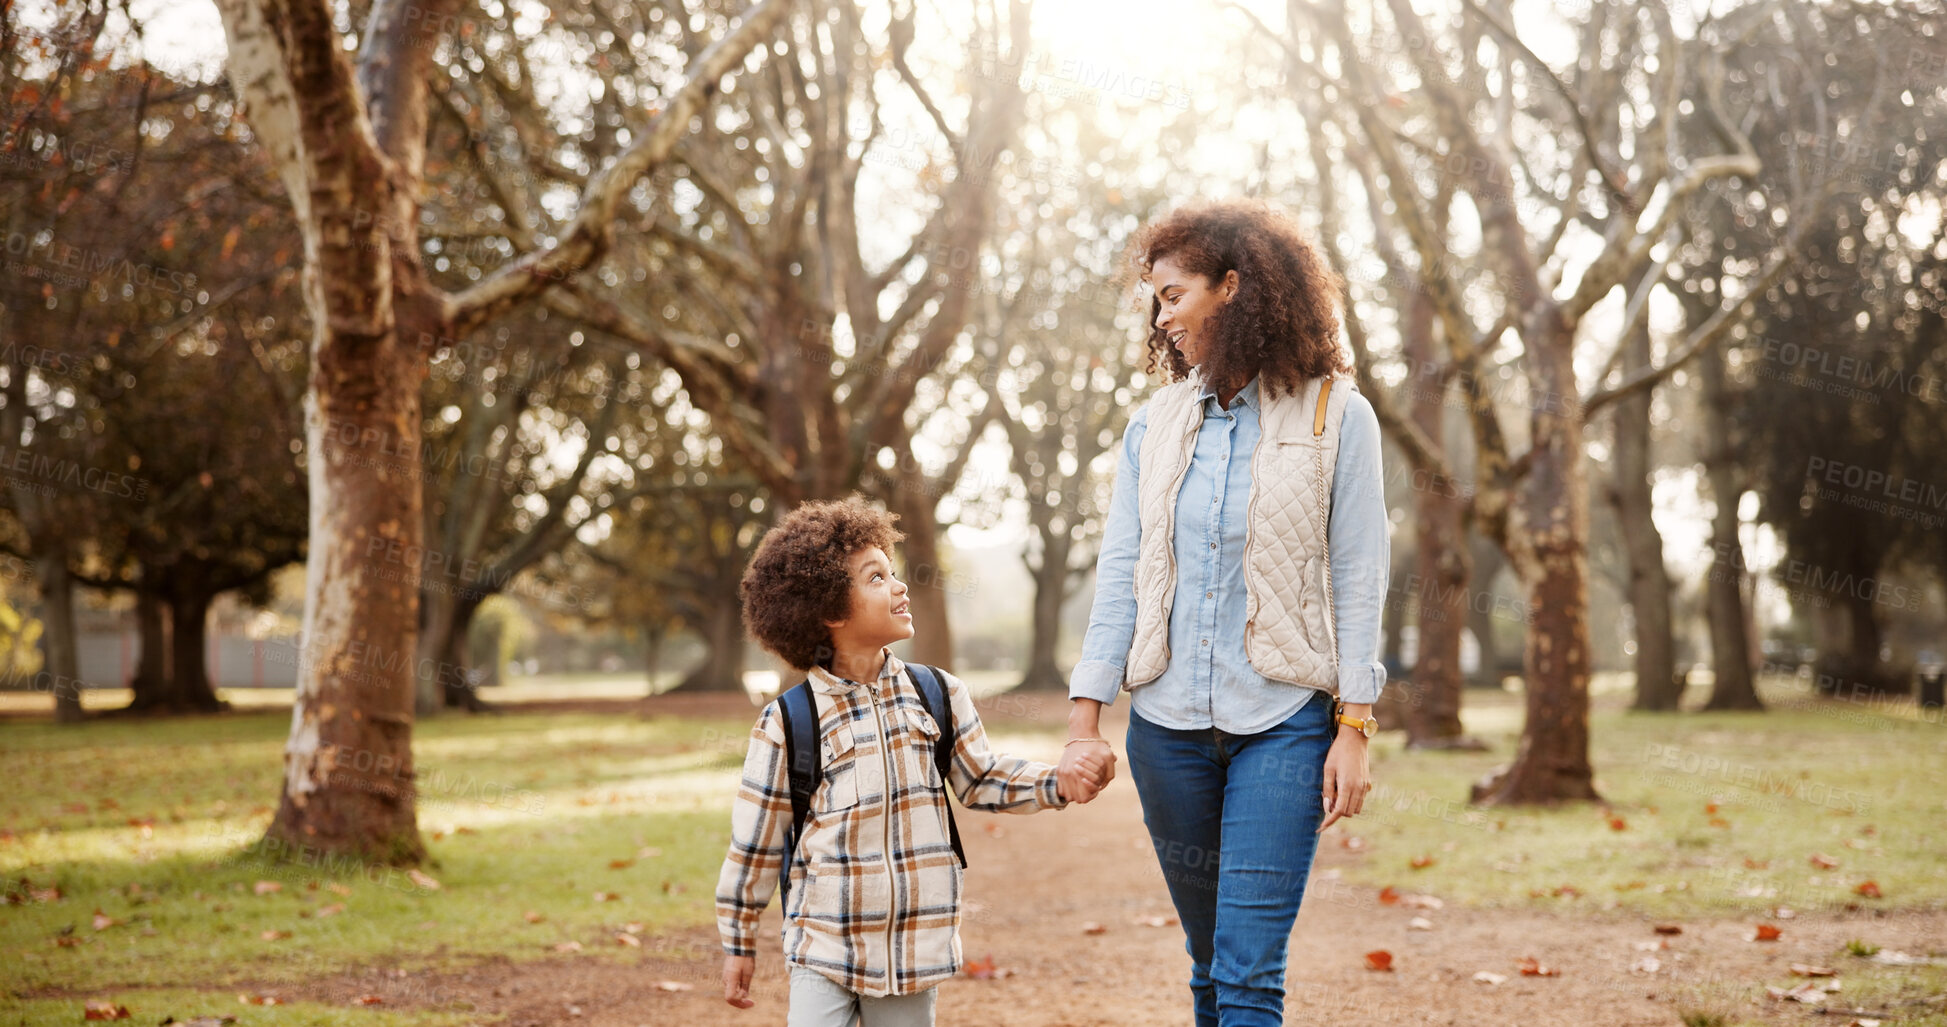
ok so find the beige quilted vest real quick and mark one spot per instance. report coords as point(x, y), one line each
point(1290, 634)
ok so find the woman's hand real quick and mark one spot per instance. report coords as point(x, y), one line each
point(1086, 768)
point(1347, 777)
point(737, 971)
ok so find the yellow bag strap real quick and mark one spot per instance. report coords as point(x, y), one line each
point(1318, 418)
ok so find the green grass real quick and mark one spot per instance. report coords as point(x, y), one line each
point(1860, 785)
point(154, 825)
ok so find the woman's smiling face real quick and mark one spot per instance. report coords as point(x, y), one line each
point(1185, 302)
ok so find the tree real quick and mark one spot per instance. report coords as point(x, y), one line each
point(347, 133)
point(817, 358)
point(1466, 109)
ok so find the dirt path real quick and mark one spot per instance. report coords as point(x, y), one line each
point(1034, 883)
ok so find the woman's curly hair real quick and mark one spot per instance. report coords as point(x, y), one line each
point(1283, 322)
point(800, 577)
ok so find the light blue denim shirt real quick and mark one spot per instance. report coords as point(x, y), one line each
point(1209, 682)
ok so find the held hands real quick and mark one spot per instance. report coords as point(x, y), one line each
point(1086, 768)
point(737, 971)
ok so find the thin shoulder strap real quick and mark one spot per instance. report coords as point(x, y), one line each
point(932, 692)
point(797, 708)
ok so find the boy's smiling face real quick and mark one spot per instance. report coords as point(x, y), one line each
point(880, 614)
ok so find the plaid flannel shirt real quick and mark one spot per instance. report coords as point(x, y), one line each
point(874, 899)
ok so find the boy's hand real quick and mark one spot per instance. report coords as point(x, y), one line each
point(737, 971)
point(1083, 775)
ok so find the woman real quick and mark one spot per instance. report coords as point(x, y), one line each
point(1238, 591)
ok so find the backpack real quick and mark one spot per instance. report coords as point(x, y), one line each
point(799, 716)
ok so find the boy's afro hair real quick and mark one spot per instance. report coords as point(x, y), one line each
point(800, 577)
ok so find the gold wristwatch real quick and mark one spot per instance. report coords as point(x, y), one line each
point(1368, 726)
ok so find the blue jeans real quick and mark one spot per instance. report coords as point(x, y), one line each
point(1234, 819)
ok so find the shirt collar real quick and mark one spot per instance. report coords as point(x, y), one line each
point(825, 681)
point(1206, 391)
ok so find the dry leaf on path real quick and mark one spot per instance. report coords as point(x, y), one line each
point(1808, 970)
point(268, 887)
point(1379, 959)
point(675, 986)
point(99, 1009)
point(423, 880)
point(1531, 967)
point(1766, 932)
point(1487, 977)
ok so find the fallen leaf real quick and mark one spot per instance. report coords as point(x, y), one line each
point(1710, 807)
point(674, 887)
point(1155, 921)
point(259, 999)
point(620, 864)
point(1757, 864)
point(985, 970)
point(606, 896)
point(1808, 970)
point(1824, 862)
point(1421, 862)
point(274, 935)
point(1668, 928)
point(1646, 965)
point(1379, 959)
point(368, 1000)
point(1388, 897)
point(1091, 927)
point(267, 887)
point(1869, 889)
point(332, 909)
point(1419, 923)
point(1618, 824)
point(628, 940)
point(423, 880)
point(1530, 967)
point(103, 921)
point(675, 986)
point(1488, 977)
point(568, 946)
point(1765, 932)
point(1413, 900)
point(100, 1009)
point(532, 917)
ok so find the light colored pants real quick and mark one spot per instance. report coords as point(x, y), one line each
point(818, 1001)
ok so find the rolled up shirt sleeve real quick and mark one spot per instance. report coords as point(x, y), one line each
point(1112, 620)
point(1361, 546)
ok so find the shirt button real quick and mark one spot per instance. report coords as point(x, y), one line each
point(1208, 595)
point(1213, 545)
point(1206, 641)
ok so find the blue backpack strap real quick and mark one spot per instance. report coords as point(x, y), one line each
point(797, 711)
point(933, 693)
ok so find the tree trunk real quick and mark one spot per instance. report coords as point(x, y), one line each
point(1549, 527)
point(926, 579)
point(454, 667)
point(60, 666)
point(189, 679)
point(439, 608)
point(1050, 589)
point(151, 680)
point(1854, 666)
point(1735, 687)
point(348, 767)
point(1442, 566)
point(1657, 686)
point(722, 669)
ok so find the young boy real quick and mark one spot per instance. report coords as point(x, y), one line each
point(872, 902)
